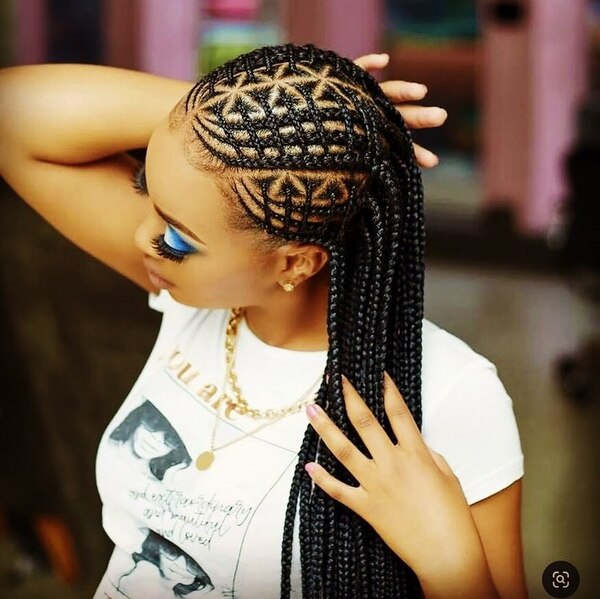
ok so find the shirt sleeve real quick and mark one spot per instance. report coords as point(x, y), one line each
point(159, 301)
point(164, 303)
point(475, 429)
point(176, 317)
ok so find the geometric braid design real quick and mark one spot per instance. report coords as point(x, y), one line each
point(297, 201)
point(287, 116)
point(313, 151)
point(270, 117)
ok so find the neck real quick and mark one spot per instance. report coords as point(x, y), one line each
point(294, 320)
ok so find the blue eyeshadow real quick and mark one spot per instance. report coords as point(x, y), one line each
point(175, 241)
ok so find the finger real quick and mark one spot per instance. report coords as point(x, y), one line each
point(336, 489)
point(422, 117)
point(401, 420)
point(343, 449)
point(425, 158)
point(403, 91)
point(372, 62)
point(368, 428)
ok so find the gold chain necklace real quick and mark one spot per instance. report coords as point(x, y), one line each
point(239, 404)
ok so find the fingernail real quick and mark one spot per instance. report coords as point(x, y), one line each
point(309, 467)
point(344, 380)
point(431, 156)
point(419, 88)
point(311, 411)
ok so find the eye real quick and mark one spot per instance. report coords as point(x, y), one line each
point(174, 240)
point(172, 246)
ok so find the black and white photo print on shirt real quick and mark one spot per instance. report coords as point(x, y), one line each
point(148, 439)
point(159, 570)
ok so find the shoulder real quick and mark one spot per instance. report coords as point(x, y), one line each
point(468, 415)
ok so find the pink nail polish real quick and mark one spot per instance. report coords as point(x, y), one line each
point(309, 467)
point(311, 411)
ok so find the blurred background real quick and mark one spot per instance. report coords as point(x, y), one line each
point(512, 215)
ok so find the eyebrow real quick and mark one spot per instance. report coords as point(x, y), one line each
point(177, 225)
point(170, 220)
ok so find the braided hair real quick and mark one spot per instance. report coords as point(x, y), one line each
point(310, 150)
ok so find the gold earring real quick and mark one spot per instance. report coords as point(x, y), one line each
point(289, 286)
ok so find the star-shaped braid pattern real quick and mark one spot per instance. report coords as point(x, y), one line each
point(268, 120)
point(301, 118)
point(299, 202)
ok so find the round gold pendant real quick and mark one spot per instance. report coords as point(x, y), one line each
point(204, 460)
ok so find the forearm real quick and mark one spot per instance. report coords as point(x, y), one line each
point(73, 113)
point(471, 584)
point(469, 578)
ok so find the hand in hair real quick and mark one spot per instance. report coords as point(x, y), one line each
point(402, 94)
point(407, 492)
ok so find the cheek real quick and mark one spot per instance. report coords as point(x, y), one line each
point(222, 283)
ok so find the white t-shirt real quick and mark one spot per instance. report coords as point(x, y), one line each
point(182, 532)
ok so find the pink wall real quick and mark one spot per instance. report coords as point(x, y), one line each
point(506, 99)
point(350, 27)
point(120, 33)
point(169, 37)
point(534, 79)
point(31, 38)
point(558, 62)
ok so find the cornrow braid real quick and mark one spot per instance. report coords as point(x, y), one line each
point(309, 149)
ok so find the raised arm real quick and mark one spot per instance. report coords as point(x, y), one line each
point(65, 128)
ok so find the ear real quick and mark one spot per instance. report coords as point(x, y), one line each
point(298, 262)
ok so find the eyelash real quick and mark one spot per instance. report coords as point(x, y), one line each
point(166, 250)
point(138, 179)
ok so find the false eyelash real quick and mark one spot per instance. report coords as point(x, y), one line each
point(138, 179)
point(164, 250)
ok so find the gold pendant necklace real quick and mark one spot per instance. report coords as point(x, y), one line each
point(205, 459)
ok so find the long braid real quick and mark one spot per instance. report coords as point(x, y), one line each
point(307, 148)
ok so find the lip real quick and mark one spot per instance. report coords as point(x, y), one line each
point(155, 277)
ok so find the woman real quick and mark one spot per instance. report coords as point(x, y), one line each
point(148, 440)
point(282, 224)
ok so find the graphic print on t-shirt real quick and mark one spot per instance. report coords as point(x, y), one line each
point(160, 570)
point(212, 521)
point(151, 441)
